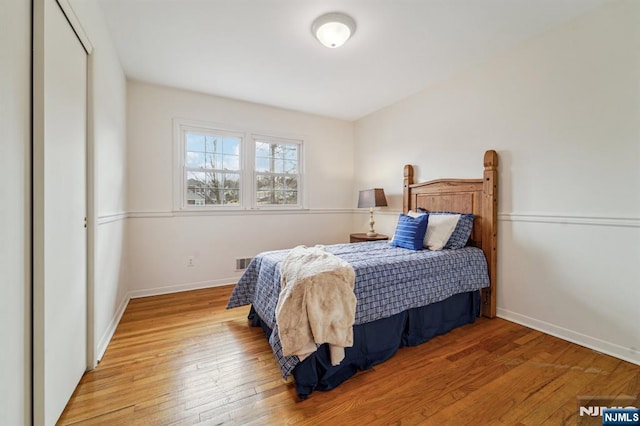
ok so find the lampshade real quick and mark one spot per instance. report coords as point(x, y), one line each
point(372, 198)
point(333, 29)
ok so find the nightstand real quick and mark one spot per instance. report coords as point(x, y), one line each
point(362, 237)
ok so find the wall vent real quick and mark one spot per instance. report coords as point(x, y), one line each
point(241, 264)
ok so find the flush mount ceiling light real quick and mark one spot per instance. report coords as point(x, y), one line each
point(333, 29)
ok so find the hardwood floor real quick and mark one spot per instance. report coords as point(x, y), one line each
point(184, 359)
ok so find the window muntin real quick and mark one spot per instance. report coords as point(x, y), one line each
point(212, 172)
point(277, 173)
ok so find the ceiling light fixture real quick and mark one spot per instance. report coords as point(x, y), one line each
point(333, 29)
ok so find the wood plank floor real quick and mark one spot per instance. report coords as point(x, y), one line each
point(184, 359)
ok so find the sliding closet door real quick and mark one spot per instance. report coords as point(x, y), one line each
point(60, 236)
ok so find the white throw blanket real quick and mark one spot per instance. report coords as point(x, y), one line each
point(316, 303)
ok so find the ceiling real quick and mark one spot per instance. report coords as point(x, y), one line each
point(263, 51)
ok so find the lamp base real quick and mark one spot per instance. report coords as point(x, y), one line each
point(372, 232)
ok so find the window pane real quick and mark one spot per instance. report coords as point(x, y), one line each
point(291, 183)
point(291, 197)
point(214, 193)
point(232, 197)
point(272, 199)
point(264, 182)
point(231, 145)
point(264, 198)
point(213, 144)
point(278, 182)
point(232, 181)
point(213, 197)
point(214, 180)
point(277, 158)
point(230, 162)
point(262, 164)
point(196, 188)
point(262, 149)
point(195, 160)
point(277, 197)
point(290, 166)
point(195, 197)
point(195, 142)
point(277, 151)
point(212, 161)
point(196, 179)
point(277, 166)
point(291, 152)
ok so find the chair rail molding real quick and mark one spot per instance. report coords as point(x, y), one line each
point(626, 222)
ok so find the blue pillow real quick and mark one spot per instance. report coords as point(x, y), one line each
point(462, 231)
point(410, 232)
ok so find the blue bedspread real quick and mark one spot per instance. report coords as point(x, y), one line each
point(389, 280)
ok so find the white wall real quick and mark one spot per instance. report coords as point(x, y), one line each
point(563, 112)
point(108, 158)
point(15, 282)
point(160, 241)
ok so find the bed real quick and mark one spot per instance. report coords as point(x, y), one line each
point(404, 297)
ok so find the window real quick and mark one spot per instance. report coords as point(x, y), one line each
point(277, 172)
point(229, 169)
point(212, 169)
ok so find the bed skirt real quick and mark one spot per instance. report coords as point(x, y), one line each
point(377, 341)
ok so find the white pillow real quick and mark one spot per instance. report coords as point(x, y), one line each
point(439, 230)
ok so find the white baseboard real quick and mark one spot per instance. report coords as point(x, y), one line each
point(182, 287)
point(631, 355)
point(111, 329)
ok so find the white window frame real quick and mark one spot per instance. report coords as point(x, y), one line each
point(300, 175)
point(248, 185)
point(181, 128)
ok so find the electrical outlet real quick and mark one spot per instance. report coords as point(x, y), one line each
point(190, 261)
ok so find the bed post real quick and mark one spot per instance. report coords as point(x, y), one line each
point(408, 180)
point(490, 228)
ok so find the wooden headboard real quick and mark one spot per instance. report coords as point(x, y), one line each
point(476, 196)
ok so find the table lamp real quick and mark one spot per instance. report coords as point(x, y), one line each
point(372, 198)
